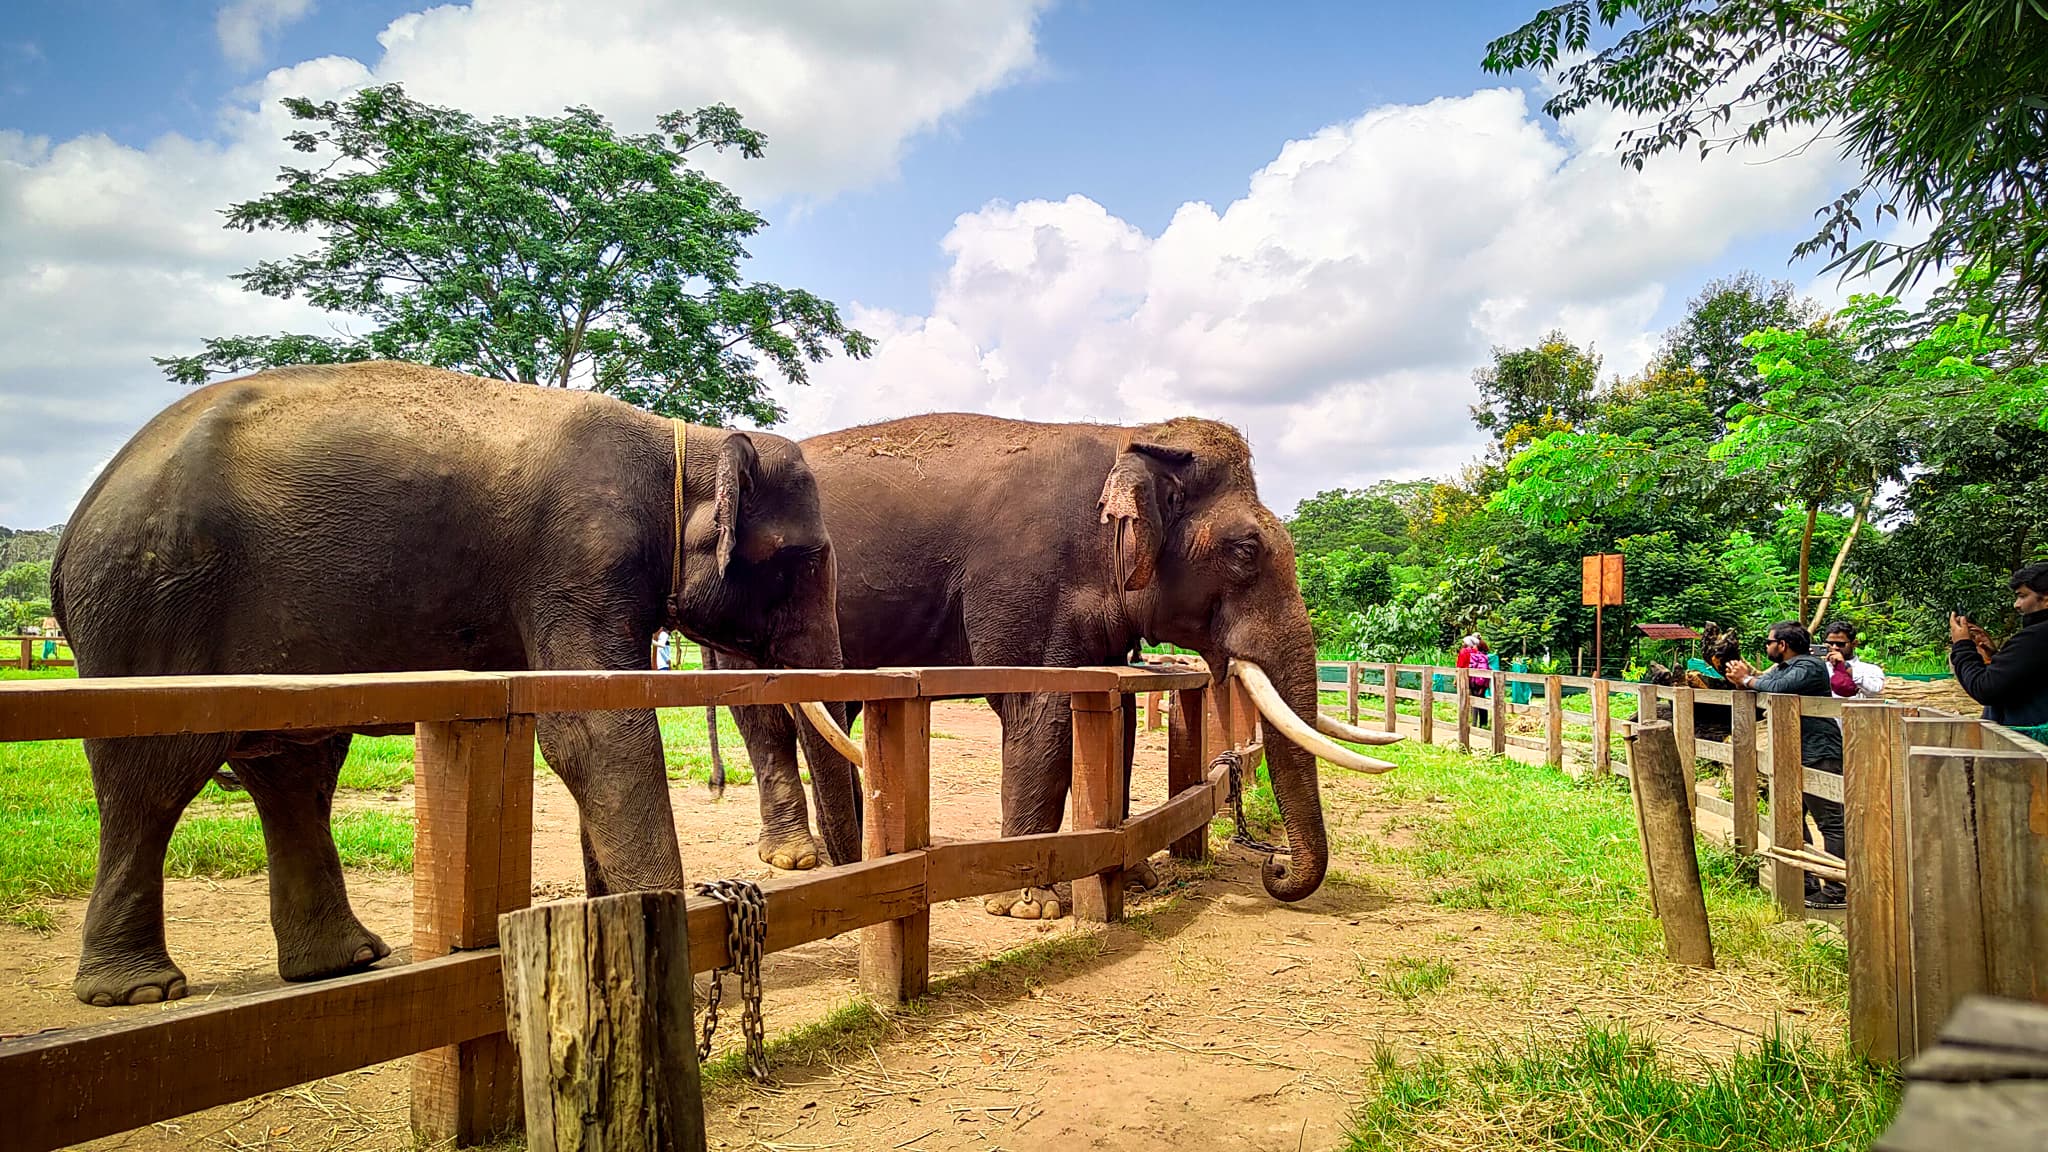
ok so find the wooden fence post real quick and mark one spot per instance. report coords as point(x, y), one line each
point(1428, 703)
point(1553, 717)
point(2012, 872)
point(472, 861)
point(1872, 736)
point(1946, 922)
point(1392, 684)
point(1788, 802)
point(1688, 746)
point(1742, 769)
point(1098, 795)
point(895, 956)
point(25, 654)
point(597, 999)
point(1187, 764)
point(1351, 692)
point(1153, 721)
point(1497, 711)
point(1464, 678)
point(1603, 729)
point(1668, 849)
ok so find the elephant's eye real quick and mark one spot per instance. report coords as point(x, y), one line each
point(1245, 551)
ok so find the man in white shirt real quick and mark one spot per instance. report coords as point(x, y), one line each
point(1849, 677)
point(661, 655)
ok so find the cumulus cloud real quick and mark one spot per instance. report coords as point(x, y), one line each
point(243, 26)
point(1337, 308)
point(111, 254)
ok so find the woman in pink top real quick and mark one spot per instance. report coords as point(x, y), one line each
point(1474, 655)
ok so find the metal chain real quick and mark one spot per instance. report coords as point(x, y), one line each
point(1242, 835)
point(746, 935)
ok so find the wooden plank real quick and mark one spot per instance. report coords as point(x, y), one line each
point(2001, 1117)
point(1668, 847)
point(1497, 715)
point(957, 870)
point(1187, 811)
point(1351, 693)
point(169, 705)
point(1425, 699)
point(1603, 729)
point(1129, 679)
point(1925, 731)
point(1711, 696)
point(598, 1000)
point(1574, 717)
point(1718, 751)
point(1946, 929)
point(1185, 763)
point(472, 861)
point(2012, 873)
point(1688, 747)
point(1742, 769)
point(1390, 718)
point(1788, 810)
point(1532, 743)
point(1098, 794)
point(895, 955)
point(586, 691)
point(1464, 683)
point(1553, 721)
point(1154, 717)
point(62, 1088)
point(1870, 738)
point(1819, 706)
point(1985, 1023)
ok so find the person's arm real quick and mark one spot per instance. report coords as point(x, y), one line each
point(1841, 678)
point(2011, 676)
point(1870, 681)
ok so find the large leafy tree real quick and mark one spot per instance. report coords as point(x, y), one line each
point(1943, 103)
point(1708, 340)
point(548, 250)
point(1525, 387)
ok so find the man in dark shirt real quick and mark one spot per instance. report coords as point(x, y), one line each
point(1798, 672)
point(2012, 684)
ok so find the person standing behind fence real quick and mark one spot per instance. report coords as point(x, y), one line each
point(1798, 672)
point(1472, 653)
point(661, 656)
point(2012, 683)
point(1848, 676)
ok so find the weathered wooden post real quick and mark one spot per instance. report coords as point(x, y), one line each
point(1393, 687)
point(1428, 702)
point(1603, 728)
point(597, 999)
point(1464, 678)
point(1880, 962)
point(25, 655)
point(1098, 796)
point(1497, 711)
point(895, 955)
point(2012, 871)
point(1688, 746)
point(1668, 849)
point(1553, 721)
point(472, 861)
point(1788, 802)
point(1646, 711)
point(1187, 763)
point(1742, 769)
point(1350, 692)
point(1153, 721)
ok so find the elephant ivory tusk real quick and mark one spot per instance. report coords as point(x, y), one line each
point(1276, 712)
point(821, 719)
point(1333, 727)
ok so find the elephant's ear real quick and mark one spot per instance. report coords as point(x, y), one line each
point(1140, 495)
point(737, 462)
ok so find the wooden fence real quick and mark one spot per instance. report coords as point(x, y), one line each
point(473, 812)
point(28, 652)
point(1946, 837)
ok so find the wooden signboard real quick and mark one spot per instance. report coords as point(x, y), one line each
point(1599, 586)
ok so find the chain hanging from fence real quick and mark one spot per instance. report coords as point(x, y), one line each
point(1243, 834)
point(746, 937)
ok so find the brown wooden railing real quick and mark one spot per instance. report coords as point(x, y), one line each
point(28, 652)
point(473, 813)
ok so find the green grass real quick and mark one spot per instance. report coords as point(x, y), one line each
point(1606, 1090)
point(1530, 841)
point(1410, 978)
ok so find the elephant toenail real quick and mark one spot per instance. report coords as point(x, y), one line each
point(366, 954)
point(147, 994)
point(102, 1000)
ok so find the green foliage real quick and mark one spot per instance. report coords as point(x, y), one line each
point(548, 250)
point(1939, 103)
point(1522, 387)
point(1370, 520)
point(29, 580)
point(1338, 585)
point(1708, 341)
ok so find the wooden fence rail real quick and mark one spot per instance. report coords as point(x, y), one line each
point(28, 652)
point(473, 858)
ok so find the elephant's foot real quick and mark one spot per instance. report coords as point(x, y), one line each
point(348, 948)
point(793, 852)
point(1141, 878)
point(1027, 904)
point(147, 981)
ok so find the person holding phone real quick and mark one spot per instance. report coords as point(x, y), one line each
point(2012, 682)
point(1797, 671)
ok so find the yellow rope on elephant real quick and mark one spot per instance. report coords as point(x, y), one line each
point(675, 573)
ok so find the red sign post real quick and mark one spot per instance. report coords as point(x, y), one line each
point(1599, 586)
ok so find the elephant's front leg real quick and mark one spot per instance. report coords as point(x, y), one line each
point(612, 764)
point(1038, 767)
point(770, 735)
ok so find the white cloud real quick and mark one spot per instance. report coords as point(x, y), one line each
point(244, 25)
point(111, 254)
point(1336, 309)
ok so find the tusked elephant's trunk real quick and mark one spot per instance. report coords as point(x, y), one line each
point(1287, 660)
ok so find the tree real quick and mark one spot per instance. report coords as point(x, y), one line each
point(1708, 341)
point(1521, 387)
point(1369, 519)
point(1941, 103)
point(548, 250)
point(26, 581)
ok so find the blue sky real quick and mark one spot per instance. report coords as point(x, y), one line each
point(910, 150)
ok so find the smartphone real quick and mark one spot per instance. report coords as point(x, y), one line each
point(1960, 611)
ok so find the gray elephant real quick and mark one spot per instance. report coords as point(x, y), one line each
point(973, 540)
point(389, 517)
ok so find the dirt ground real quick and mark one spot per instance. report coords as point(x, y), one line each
point(1216, 1017)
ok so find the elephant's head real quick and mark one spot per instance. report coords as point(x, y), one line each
point(1204, 565)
